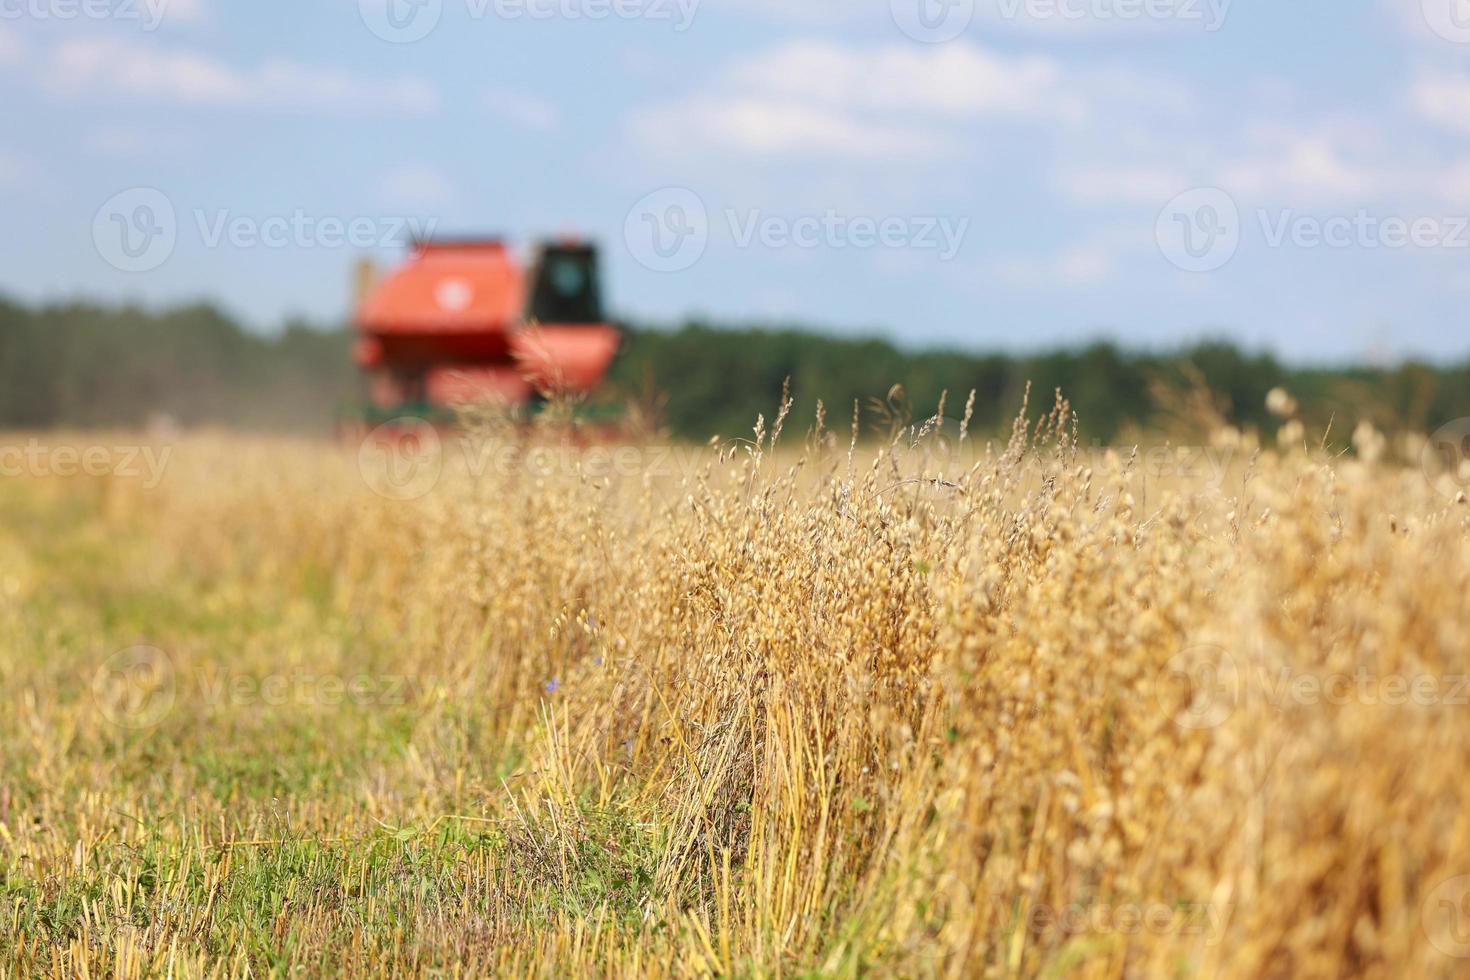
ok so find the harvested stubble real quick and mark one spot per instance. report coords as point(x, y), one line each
point(906, 711)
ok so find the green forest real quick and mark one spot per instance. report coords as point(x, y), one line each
point(84, 365)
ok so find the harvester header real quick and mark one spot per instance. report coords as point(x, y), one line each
point(461, 322)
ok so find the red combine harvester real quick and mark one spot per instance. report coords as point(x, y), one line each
point(461, 323)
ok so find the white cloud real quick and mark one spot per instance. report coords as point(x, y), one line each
point(1111, 91)
point(810, 12)
point(950, 80)
point(523, 109)
point(181, 9)
point(1431, 22)
point(154, 13)
point(1452, 183)
point(14, 170)
point(12, 48)
point(416, 186)
point(1091, 260)
point(1078, 266)
point(113, 66)
point(765, 126)
point(125, 142)
point(1122, 185)
point(819, 98)
point(1442, 97)
point(1306, 167)
point(1334, 163)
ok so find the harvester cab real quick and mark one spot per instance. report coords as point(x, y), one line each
point(460, 322)
point(564, 285)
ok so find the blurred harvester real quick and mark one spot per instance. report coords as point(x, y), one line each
point(461, 323)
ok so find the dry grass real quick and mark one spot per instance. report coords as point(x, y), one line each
point(930, 709)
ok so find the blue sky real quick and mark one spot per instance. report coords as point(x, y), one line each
point(990, 174)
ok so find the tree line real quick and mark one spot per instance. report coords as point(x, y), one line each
point(87, 365)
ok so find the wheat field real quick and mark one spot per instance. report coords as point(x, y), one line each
point(919, 703)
